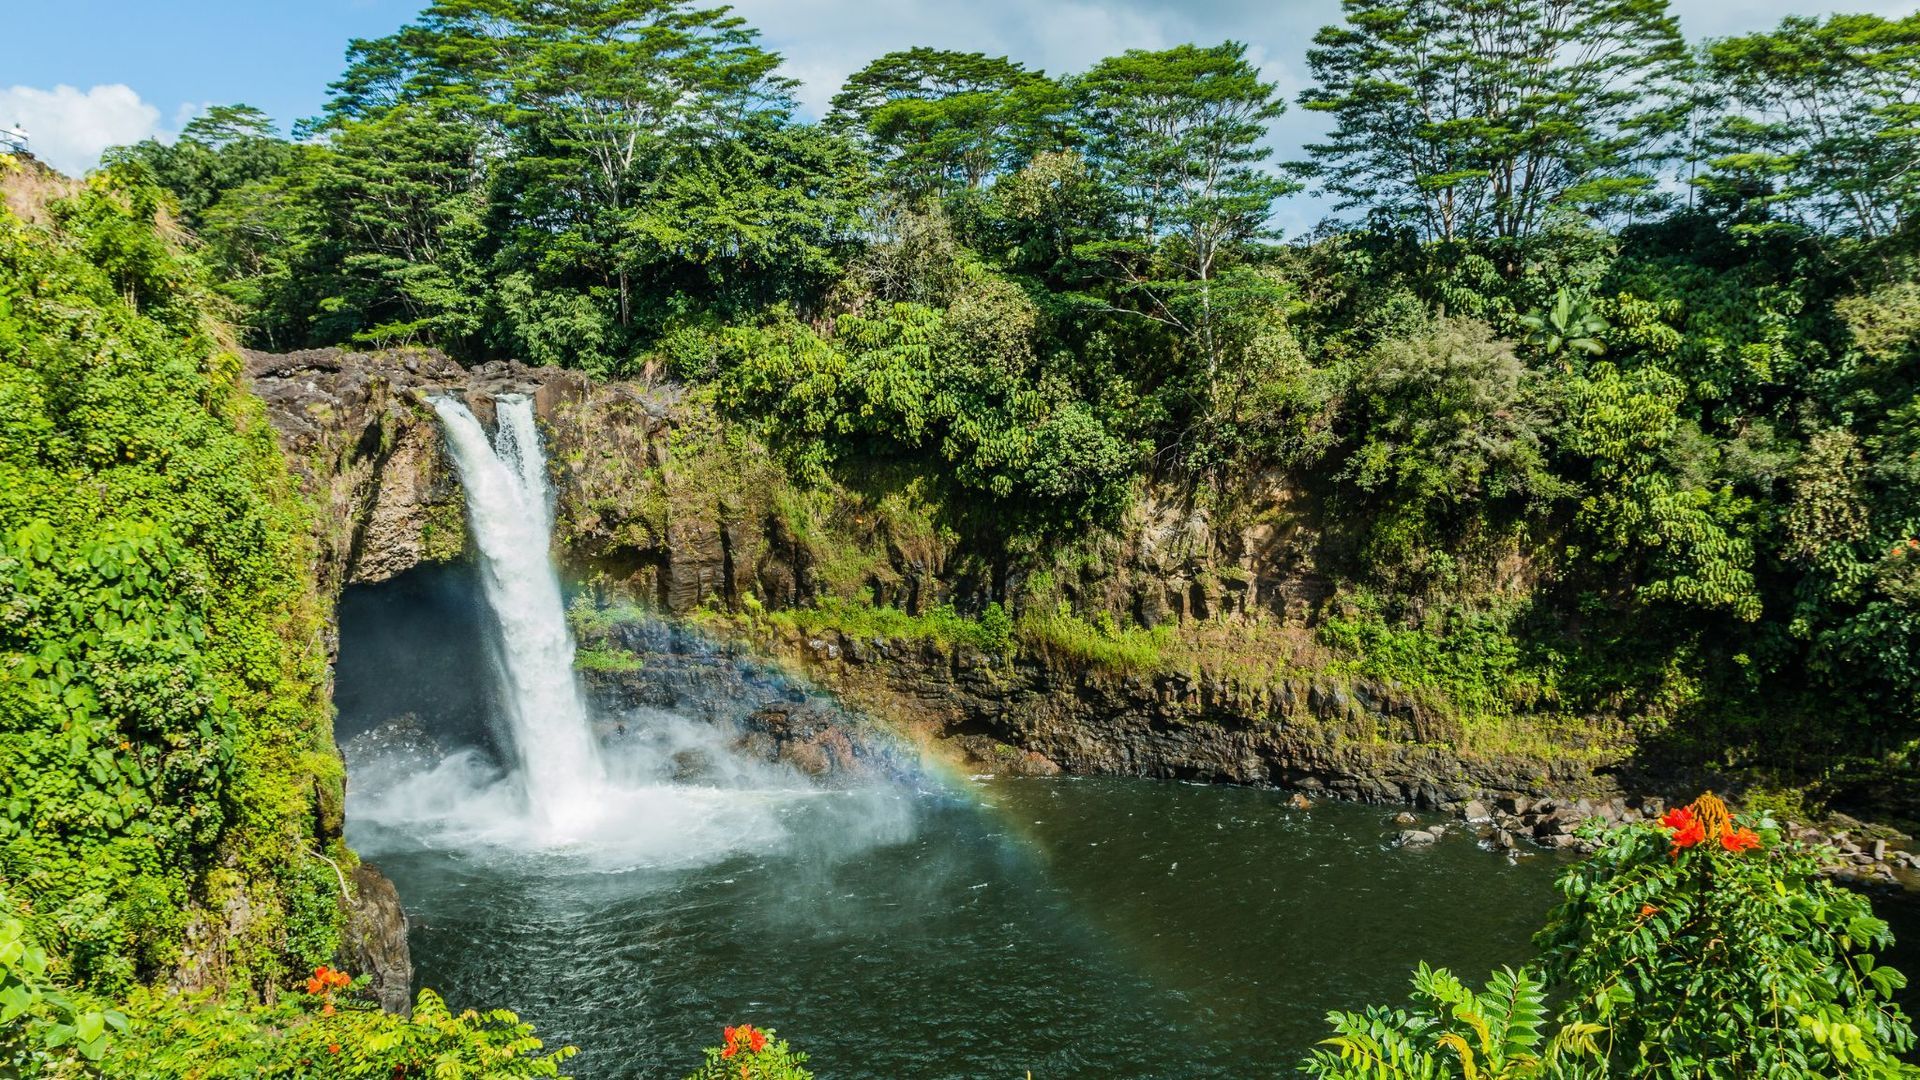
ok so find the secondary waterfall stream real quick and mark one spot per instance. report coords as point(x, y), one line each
point(510, 509)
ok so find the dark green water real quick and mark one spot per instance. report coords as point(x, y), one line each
point(1071, 927)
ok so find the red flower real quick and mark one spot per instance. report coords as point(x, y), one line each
point(333, 1048)
point(1679, 818)
point(1647, 909)
point(745, 1036)
point(1693, 834)
point(1739, 840)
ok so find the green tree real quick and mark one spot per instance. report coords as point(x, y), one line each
point(1682, 540)
point(397, 232)
point(1469, 120)
point(637, 151)
point(222, 149)
point(1179, 135)
point(1822, 122)
point(935, 120)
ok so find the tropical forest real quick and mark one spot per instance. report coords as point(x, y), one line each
point(1370, 540)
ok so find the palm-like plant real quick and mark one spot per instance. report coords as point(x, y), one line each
point(1569, 325)
point(1456, 1033)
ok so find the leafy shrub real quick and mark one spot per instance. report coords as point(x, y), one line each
point(42, 1028)
point(747, 1053)
point(1701, 947)
point(1454, 1031)
point(1710, 949)
point(50, 1030)
point(311, 1037)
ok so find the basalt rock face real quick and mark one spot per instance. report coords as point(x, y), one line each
point(1039, 715)
point(358, 431)
point(659, 500)
point(1036, 715)
point(771, 716)
point(375, 940)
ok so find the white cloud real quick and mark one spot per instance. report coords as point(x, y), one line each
point(69, 127)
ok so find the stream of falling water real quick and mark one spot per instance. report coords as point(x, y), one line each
point(510, 509)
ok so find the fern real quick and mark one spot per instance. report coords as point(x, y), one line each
point(1455, 1033)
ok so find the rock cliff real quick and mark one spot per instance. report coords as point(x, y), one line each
point(660, 501)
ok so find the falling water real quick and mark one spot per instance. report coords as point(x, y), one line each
point(510, 508)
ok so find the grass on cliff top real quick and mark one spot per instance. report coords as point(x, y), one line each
point(1100, 643)
point(606, 661)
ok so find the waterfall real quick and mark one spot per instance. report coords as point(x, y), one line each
point(510, 509)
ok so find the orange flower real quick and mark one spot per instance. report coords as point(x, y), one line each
point(327, 1009)
point(746, 1036)
point(1647, 909)
point(1740, 840)
point(1693, 834)
point(1679, 819)
point(333, 1048)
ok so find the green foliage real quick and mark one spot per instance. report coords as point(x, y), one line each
point(1568, 325)
point(1698, 948)
point(1691, 541)
point(1454, 426)
point(49, 1030)
point(1825, 130)
point(1466, 124)
point(962, 386)
point(217, 1041)
point(160, 668)
point(42, 1030)
point(1705, 962)
point(1470, 660)
point(1455, 1031)
point(607, 661)
point(934, 120)
point(1100, 643)
point(943, 625)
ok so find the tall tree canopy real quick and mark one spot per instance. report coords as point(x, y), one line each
point(1473, 120)
point(1827, 121)
point(935, 119)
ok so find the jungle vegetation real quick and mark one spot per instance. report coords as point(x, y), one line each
point(1637, 314)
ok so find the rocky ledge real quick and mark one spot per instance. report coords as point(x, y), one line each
point(1036, 714)
point(1514, 824)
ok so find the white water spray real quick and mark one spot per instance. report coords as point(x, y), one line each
point(510, 509)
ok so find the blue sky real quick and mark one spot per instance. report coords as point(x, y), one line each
point(86, 74)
